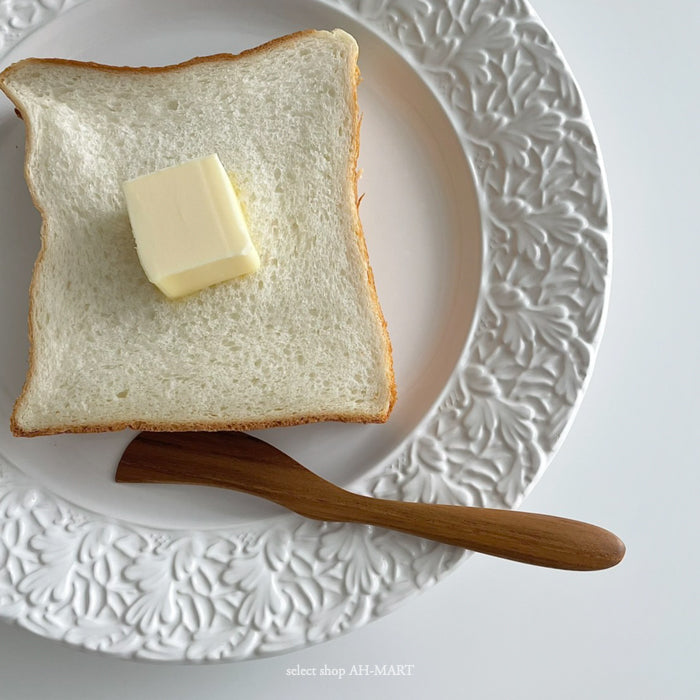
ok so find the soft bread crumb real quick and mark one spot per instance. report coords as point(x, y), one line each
point(301, 340)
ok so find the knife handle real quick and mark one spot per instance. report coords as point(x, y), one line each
point(531, 538)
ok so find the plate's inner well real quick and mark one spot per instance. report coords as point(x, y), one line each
point(419, 214)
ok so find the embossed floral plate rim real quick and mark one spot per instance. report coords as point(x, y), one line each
point(134, 592)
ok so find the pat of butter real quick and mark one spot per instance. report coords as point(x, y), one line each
point(189, 228)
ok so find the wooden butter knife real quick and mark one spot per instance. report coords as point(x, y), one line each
point(241, 462)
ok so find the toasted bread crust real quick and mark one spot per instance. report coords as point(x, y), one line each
point(148, 425)
point(354, 176)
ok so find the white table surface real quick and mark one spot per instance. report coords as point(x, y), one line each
point(495, 629)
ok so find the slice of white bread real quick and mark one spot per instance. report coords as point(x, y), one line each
point(301, 340)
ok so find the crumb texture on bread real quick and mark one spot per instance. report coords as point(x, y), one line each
point(302, 339)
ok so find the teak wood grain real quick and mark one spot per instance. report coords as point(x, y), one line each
point(242, 462)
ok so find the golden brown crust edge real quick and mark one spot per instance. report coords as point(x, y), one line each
point(15, 426)
point(153, 426)
point(154, 69)
point(354, 176)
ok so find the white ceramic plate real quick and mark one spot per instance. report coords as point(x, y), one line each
point(487, 223)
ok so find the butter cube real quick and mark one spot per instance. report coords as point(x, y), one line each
point(189, 227)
